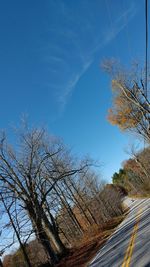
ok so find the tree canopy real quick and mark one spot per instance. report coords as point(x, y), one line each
point(131, 99)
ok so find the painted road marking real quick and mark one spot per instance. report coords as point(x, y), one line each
point(129, 251)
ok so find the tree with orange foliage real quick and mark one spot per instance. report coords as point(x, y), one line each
point(131, 105)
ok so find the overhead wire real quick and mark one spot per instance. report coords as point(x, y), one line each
point(146, 51)
point(128, 39)
point(146, 45)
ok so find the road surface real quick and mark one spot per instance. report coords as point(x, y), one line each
point(129, 246)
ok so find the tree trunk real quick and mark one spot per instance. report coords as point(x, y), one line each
point(83, 203)
point(25, 255)
point(69, 209)
point(40, 232)
point(47, 234)
point(44, 240)
point(53, 236)
point(1, 264)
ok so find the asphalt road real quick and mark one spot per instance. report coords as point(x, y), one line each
point(129, 246)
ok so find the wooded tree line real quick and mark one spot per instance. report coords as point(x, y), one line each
point(48, 195)
point(135, 174)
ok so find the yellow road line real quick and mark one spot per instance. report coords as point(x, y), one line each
point(129, 251)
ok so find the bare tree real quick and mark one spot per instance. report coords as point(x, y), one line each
point(31, 173)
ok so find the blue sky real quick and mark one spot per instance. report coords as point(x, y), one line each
point(50, 55)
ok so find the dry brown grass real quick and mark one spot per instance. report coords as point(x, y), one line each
point(82, 254)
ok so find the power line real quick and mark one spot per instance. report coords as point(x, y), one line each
point(146, 50)
point(146, 44)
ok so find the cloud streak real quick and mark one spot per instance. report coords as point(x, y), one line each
point(72, 83)
point(74, 42)
point(120, 23)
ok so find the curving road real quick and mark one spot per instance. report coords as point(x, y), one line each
point(129, 246)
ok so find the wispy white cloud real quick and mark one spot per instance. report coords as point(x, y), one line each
point(73, 45)
point(71, 84)
point(120, 23)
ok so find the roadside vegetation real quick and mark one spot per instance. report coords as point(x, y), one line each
point(51, 202)
point(135, 174)
point(55, 207)
point(131, 112)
